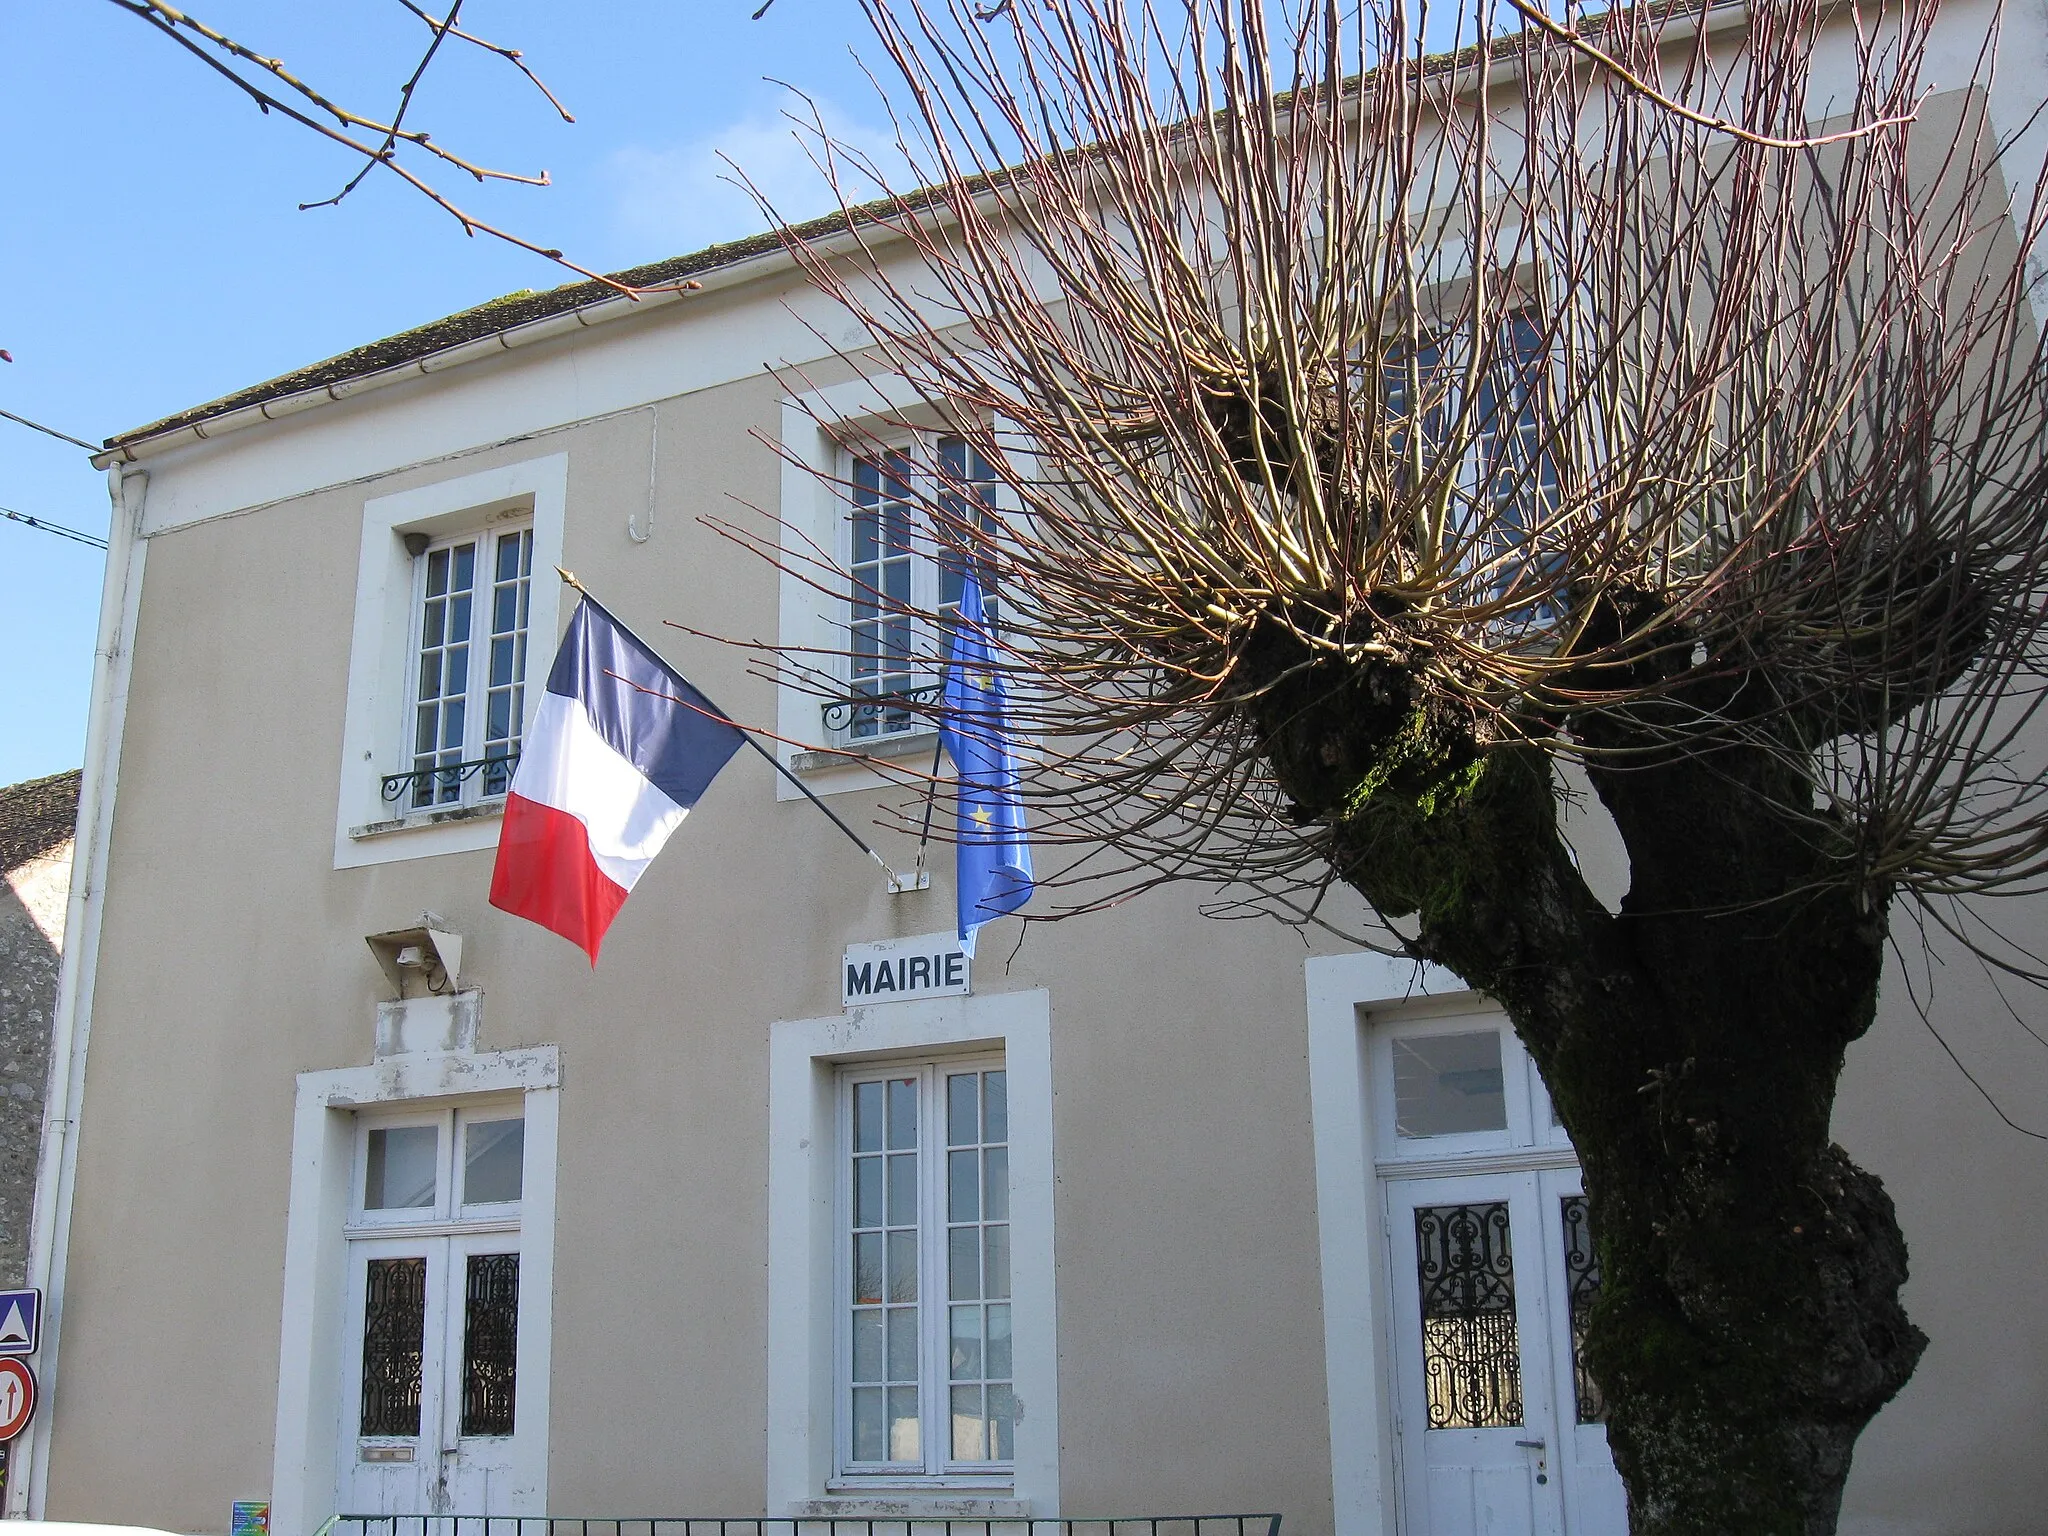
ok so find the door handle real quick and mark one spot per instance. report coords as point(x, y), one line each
point(1542, 1463)
point(1530, 1445)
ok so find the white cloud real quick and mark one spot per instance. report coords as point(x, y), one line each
point(684, 196)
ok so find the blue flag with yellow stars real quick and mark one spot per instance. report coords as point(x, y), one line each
point(994, 858)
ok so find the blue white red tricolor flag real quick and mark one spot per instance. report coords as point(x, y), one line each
point(619, 750)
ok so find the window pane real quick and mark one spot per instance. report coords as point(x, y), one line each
point(903, 1437)
point(1002, 1422)
point(490, 1343)
point(867, 1117)
point(995, 1180)
point(964, 1354)
point(1445, 1085)
point(903, 1344)
point(493, 1160)
point(867, 1268)
point(995, 1106)
point(902, 1112)
point(970, 1430)
point(867, 1192)
point(394, 1331)
point(903, 1189)
point(962, 1127)
point(1582, 1287)
point(903, 1266)
point(867, 1344)
point(1471, 1347)
point(999, 1341)
point(963, 1186)
point(867, 1424)
point(964, 1263)
point(995, 1277)
point(402, 1172)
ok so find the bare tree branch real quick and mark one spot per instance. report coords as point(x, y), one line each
point(302, 103)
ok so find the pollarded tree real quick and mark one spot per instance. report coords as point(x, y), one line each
point(1383, 431)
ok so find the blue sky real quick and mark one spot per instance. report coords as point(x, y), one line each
point(153, 256)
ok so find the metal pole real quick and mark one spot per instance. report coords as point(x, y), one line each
point(773, 761)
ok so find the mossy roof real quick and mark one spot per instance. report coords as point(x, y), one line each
point(487, 319)
point(36, 816)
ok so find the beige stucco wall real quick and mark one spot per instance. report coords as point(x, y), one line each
point(233, 960)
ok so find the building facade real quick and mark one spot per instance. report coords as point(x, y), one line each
point(367, 1198)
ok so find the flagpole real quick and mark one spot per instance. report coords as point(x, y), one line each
point(896, 881)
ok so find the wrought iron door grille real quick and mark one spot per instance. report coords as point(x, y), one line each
point(490, 1343)
point(1471, 1347)
point(1582, 1285)
point(394, 1335)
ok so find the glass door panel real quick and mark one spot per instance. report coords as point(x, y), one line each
point(1595, 1502)
point(391, 1377)
point(1476, 1409)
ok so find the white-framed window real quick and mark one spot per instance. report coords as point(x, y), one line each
point(900, 500)
point(1507, 486)
point(449, 624)
point(925, 1376)
point(472, 602)
point(1456, 1085)
point(1001, 1461)
point(444, 1165)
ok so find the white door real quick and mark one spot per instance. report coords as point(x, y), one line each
point(1595, 1502)
point(1498, 1425)
point(431, 1348)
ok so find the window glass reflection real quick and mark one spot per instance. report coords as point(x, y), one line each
point(1448, 1085)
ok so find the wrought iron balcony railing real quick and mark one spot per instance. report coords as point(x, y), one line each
point(443, 784)
point(845, 717)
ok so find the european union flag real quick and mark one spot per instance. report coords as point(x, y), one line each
point(994, 858)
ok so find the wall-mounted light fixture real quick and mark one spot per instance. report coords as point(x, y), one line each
point(422, 961)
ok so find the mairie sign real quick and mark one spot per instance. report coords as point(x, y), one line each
point(899, 970)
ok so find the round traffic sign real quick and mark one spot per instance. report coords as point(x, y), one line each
point(17, 1396)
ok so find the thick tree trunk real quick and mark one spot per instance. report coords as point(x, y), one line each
point(1749, 1323)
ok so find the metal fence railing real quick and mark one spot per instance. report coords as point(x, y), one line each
point(818, 1525)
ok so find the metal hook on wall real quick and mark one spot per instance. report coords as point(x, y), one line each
point(633, 528)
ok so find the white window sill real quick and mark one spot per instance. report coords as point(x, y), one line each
point(489, 810)
point(921, 1502)
point(914, 743)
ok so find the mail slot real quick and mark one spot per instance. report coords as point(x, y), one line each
point(387, 1453)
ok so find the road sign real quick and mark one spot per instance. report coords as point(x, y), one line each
point(17, 1396)
point(21, 1321)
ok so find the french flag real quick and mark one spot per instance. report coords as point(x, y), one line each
point(619, 750)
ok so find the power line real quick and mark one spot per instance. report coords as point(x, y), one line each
point(62, 437)
point(46, 526)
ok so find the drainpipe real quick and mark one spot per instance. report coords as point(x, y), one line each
point(57, 1166)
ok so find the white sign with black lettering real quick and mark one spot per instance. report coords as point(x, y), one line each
point(899, 970)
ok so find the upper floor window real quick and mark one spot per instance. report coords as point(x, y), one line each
point(902, 564)
point(471, 601)
point(1505, 485)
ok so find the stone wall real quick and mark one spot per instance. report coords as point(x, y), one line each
point(36, 821)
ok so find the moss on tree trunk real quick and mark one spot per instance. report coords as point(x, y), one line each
point(1749, 1324)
